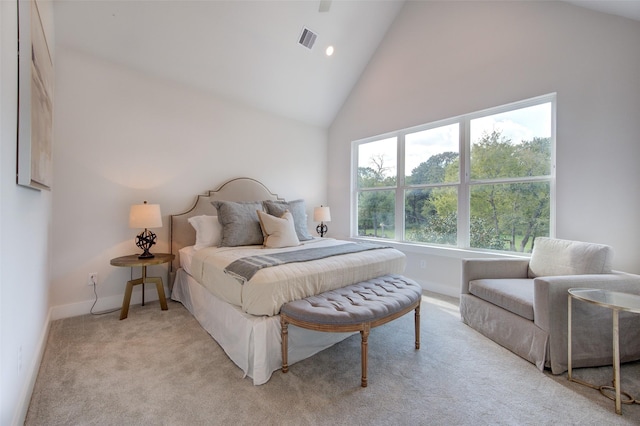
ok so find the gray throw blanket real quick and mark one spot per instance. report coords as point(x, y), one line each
point(246, 267)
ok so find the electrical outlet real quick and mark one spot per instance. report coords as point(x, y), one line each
point(93, 278)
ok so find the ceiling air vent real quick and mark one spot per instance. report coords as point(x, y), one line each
point(307, 38)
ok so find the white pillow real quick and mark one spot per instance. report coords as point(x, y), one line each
point(208, 231)
point(278, 231)
point(552, 256)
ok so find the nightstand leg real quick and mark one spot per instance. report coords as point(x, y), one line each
point(144, 279)
point(127, 299)
point(130, 284)
point(160, 288)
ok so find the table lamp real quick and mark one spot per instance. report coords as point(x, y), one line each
point(145, 216)
point(321, 214)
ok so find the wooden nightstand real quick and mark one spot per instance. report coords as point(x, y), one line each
point(131, 261)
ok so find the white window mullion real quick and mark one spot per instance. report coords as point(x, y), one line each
point(400, 186)
point(464, 239)
point(552, 183)
point(353, 226)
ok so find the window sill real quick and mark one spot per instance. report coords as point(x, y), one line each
point(449, 252)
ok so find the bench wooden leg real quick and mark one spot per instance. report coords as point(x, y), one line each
point(417, 326)
point(284, 334)
point(364, 347)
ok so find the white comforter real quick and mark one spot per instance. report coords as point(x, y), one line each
point(270, 288)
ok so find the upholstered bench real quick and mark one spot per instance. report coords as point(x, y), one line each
point(358, 307)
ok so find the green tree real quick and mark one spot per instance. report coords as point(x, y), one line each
point(414, 201)
point(376, 207)
point(433, 170)
point(376, 211)
point(504, 215)
point(517, 212)
point(366, 177)
point(377, 174)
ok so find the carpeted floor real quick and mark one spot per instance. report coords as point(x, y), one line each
point(160, 368)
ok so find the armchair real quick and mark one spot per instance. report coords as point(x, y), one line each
point(521, 304)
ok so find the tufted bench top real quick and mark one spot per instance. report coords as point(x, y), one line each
point(357, 303)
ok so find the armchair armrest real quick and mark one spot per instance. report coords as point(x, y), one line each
point(475, 269)
point(550, 306)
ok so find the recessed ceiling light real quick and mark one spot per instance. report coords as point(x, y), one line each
point(329, 51)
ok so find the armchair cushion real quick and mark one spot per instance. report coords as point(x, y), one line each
point(551, 257)
point(475, 269)
point(515, 295)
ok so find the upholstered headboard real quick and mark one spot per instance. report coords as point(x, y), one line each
point(240, 189)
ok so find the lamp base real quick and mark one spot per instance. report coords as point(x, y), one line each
point(145, 240)
point(322, 229)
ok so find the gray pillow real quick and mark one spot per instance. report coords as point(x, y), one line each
point(298, 211)
point(240, 223)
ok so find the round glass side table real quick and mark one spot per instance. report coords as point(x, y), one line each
point(617, 302)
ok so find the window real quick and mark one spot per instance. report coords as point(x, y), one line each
point(483, 180)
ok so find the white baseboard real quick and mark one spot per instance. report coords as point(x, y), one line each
point(439, 288)
point(103, 304)
point(25, 397)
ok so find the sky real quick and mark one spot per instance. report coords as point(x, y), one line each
point(518, 125)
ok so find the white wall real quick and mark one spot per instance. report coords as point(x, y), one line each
point(123, 137)
point(442, 59)
point(25, 230)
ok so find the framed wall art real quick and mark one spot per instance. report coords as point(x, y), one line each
point(35, 100)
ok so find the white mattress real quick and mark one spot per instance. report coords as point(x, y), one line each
point(253, 343)
point(271, 287)
point(186, 257)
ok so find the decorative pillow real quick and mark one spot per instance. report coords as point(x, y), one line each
point(278, 231)
point(298, 211)
point(552, 256)
point(208, 231)
point(240, 223)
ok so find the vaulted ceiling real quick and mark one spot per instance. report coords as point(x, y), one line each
point(246, 51)
point(625, 8)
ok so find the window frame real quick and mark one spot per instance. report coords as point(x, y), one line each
point(464, 184)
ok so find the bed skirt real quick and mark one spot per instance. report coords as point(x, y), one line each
point(251, 342)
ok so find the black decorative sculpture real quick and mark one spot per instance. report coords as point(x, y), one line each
point(321, 229)
point(145, 240)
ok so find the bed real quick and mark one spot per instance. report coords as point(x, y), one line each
point(240, 307)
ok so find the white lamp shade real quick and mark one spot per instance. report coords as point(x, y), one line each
point(145, 216)
point(321, 214)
